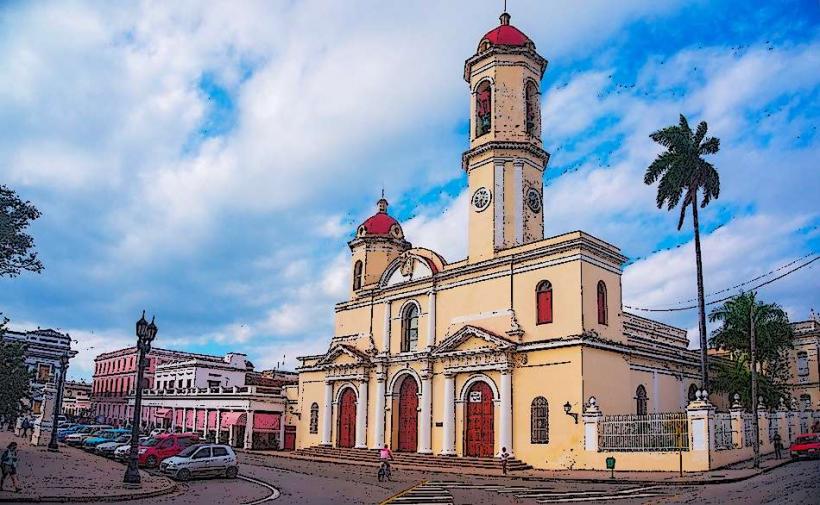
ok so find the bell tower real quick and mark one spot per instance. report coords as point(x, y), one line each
point(506, 161)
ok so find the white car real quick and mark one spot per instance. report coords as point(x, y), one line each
point(108, 448)
point(156, 431)
point(122, 452)
point(77, 438)
point(214, 460)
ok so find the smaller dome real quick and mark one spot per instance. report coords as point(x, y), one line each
point(504, 35)
point(380, 224)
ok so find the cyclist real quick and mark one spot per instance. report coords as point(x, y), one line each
point(385, 456)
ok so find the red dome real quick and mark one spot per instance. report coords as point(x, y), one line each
point(380, 224)
point(506, 35)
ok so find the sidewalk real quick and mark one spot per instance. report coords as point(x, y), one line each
point(733, 473)
point(72, 475)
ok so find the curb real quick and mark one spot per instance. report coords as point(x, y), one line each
point(512, 476)
point(94, 498)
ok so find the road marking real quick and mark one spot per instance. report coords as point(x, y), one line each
point(598, 494)
point(423, 493)
point(598, 498)
point(274, 493)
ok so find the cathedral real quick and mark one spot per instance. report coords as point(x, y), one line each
point(501, 349)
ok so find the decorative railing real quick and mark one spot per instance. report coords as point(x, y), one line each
point(748, 429)
point(244, 390)
point(668, 431)
point(772, 426)
point(804, 423)
point(723, 431)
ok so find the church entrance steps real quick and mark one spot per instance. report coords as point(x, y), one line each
point(411, 458)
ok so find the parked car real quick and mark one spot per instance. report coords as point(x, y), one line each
point(158, 448)
point(156, 431)
point(806, 445)
point(107, 448)
point(77, 437)
point(202, 460)
point(62, 433)
point(101, 437)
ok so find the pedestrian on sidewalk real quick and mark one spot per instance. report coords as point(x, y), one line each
point(778, 445)
point(8, 465)
point(504, 457)
point(25, 426)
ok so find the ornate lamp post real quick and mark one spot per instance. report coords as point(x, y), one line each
point(58, 402)
point(145, 335)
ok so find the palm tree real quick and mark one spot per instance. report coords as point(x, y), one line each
point(756, 334)
point(683, 172)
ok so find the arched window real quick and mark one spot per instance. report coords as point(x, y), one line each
point(410, 327)
point(640, 399)
point(602, 305)
point(314, 418)
point(483, 108)
point(539, 421)
point(692, 390)
point(357, 275)
point(532, 109)
point(543, 302)
point(802, 363)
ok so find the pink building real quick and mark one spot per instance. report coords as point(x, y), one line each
point(115, 375)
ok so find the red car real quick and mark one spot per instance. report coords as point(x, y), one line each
point(807, 444)
point(154, 450)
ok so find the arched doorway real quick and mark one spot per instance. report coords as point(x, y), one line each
point(408, 415)
point(346, 434)
point(479, 416)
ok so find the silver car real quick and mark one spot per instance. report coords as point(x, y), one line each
point(201, 460)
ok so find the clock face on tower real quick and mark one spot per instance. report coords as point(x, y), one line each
point(534, 200)
point(481, 199)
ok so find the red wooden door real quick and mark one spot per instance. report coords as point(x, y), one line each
point(290, 437)
point(478, 433)
point(408, 415)
point(347, 419)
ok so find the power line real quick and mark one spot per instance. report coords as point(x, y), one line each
point(690, 307)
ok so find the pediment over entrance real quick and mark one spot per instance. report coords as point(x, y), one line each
point(473, 339)
point(344, 354)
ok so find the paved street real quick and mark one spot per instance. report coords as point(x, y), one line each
point(302, 482)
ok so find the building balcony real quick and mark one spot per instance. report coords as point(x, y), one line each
point(236, 390)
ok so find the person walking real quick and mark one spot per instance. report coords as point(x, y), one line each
point(25, 426)
point(8, 465)
point(504, 457)
point(778, 446)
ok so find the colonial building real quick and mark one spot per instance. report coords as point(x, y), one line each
point(805, 366)
point(503, 348)
point(76, 399)
point(44, 348)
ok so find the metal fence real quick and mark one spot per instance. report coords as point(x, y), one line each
point(723, 431)
point(668, 431)
point(804, 423)
point(748, 429)
point(773, 419)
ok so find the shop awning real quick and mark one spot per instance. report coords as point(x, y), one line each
point(212, 420)
point(163, 413)
point(233, 418)
point(263, 422)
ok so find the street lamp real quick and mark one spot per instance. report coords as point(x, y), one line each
point(567, 409)
point(58, 402)
point(145, 335)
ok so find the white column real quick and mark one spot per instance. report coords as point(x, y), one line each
point(282, 430)
point(327, 414)
point(218, 425)
point(518, 193)
point(184, 419)
point(378, 441)
point(505, 405)
point(231, 430)
point(361, 417)
point(173, 419)
point(205, 425)
point(249, 430)
point(592, 414)
point(498, 203)
point(425, 419)
point(193, 430)
point(449, 412)
point(431, 320)
point(386, 329)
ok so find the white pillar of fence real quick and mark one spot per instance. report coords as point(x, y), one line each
point(791, 429)
point(736, 411)
point(592, 414)
point(782, 427)
point(701, 415)
point(763, 426)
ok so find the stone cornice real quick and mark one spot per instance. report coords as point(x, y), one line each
point(498, 144)
point(505, 50)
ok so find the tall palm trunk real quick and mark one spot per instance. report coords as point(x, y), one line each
point(753, 354)
point(704, 370)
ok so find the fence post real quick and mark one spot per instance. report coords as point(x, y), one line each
point(700, 414)
point(736, 411)
point(592, 414)
point(762, 426)
point(782, 427)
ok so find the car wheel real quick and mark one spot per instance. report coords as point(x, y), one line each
point(231, 472)
point(183, 475)
point(151, 462)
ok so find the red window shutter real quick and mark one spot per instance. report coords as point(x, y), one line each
point(601, 307)
point(545, 307)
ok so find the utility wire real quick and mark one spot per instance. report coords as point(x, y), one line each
point(690, 307)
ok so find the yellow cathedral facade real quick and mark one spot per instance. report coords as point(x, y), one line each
point(504, 348)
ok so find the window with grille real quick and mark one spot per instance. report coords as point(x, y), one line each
point(314, 418)
point(539, 421)
point(802, 363)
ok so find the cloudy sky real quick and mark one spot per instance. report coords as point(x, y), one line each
point(208, 161)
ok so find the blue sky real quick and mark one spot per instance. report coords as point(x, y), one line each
point(209, 161)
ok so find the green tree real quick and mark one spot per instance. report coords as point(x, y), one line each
point(683, 173)
point(773, 338)
point(15, 376)
point(16, 246)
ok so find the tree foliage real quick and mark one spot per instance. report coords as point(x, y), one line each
point(15, 377)
point(16, 246)
point(773, 337)
point(681, 169)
